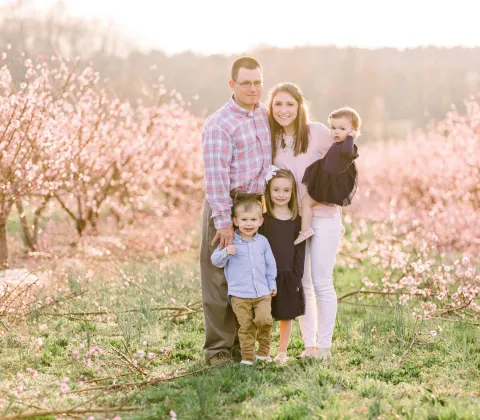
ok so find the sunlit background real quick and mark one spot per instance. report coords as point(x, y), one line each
point(218, 26)
point(400, 64)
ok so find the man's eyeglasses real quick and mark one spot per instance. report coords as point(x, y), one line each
point(248, 84)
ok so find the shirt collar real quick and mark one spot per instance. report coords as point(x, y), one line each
point(238, 109)
point(238, 239)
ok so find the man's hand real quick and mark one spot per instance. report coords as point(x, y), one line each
point(225, 236)
point(353, 133)
point(231, 249)
point(273, 292)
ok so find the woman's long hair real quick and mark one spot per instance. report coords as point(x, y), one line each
point(301, 122)
point(293, 203)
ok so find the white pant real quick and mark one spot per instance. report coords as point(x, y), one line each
point(321, 300)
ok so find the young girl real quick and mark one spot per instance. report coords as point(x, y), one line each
point(281, 226)
point(332, 179)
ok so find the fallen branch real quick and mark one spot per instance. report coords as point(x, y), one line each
point(378, 292)
point(67, 412)
point(150, 381)
point(128, 362)
point(160, 308)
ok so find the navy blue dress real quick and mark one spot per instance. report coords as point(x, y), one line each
point(288, 303)
point(334, 178)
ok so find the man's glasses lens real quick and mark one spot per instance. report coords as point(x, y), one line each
point(256, 83)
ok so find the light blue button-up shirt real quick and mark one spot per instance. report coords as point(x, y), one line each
point(251, 272)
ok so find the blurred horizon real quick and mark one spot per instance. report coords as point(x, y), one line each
point(215, 27)
point(395, 90)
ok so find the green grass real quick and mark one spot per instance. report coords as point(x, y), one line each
point(364, 379)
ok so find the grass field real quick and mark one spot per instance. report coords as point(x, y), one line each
point(377, 370)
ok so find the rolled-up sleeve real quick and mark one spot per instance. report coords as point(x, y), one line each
point(217, 157)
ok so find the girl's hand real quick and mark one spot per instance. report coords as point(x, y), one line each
point(273, 292)
point(231, 250)
point(353, 133)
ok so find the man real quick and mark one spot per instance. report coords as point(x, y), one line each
point(237, 152)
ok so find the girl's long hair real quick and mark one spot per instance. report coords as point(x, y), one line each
point(293, 203)
point(301, 122)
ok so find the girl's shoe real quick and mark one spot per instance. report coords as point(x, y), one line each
point(304, 235)
point(322, 354)
point(308, 352)
point(246, 362)
point(281, 357)
point(264, 358)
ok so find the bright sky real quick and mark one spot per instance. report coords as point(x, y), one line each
point(224, 26)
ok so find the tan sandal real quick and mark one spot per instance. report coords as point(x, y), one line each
point(308, 352)
point(322, 354)
point(281, 358)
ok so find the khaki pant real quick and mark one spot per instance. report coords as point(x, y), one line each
point(255, 318)
point(220, 322)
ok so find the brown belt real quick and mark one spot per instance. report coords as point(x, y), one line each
point(238, 195)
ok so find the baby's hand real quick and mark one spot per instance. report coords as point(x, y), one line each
point(273, 292)
point(353, 133)
point(231, 250)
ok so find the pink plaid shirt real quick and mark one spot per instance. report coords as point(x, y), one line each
point(236, 155)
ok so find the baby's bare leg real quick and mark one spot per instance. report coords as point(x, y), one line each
point(307, 216)
point(307, 211)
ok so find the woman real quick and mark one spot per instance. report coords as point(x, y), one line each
point(296, 143)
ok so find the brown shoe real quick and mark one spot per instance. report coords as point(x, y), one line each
point(221, 358)
point(236, 354)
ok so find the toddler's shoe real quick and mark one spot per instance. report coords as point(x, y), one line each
point(281, 357)
point(264, 358)
point(304, 235)
point(322, 354)
point(246, 362)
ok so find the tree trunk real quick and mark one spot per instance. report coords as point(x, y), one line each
point(3, 244)
point(80, 225)
point(27, 236)
point(92, 219)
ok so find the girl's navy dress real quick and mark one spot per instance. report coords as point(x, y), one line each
point(288, 303)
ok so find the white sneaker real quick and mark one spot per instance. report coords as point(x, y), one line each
point(264, 358)
point(281, 357)
point(246, 362)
